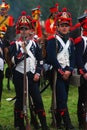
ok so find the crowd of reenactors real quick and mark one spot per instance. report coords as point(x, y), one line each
point(54, 48)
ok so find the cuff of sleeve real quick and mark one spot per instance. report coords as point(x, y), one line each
point(82, 71)
point(61, 71)
point(38, 74)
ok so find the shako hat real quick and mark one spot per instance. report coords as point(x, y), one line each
point(64, 17)
point(4, 5)
point(24, 21)
point(83, 20)
point(83, 17)
point(54, 9)
point(36, 11)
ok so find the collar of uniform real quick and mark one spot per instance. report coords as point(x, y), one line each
point(50, 37)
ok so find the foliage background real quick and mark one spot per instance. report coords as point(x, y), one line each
point(76, 7)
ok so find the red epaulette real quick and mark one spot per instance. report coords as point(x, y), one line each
point(81, 72)
point(78, 25)
point(61, 71)
point(77, 40)
point(11, 43)
point(50, 37)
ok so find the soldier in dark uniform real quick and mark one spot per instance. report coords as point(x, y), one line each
point(60, 54)
point(5, 20)
point(34, 65)
point(81, 62)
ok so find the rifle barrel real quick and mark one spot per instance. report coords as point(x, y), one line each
point(25, 95)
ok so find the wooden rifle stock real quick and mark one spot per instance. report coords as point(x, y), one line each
point(54, 98)
point(33, 115)
point(25, 96)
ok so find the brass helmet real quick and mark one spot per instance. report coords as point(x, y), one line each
point(4, 5)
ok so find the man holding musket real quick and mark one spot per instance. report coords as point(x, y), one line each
point(25, 45)
point(60, 54)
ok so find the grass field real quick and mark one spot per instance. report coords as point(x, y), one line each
point(6, 112)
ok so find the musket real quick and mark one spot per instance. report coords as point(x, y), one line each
point(34, 120)
point(53, 107)
point(25, 95)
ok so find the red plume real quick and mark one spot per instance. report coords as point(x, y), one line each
point(64, 10)
point(3, 0)
point(23, 13)
point(38, 6)
point(56, 4)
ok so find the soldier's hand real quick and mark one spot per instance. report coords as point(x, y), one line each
point(24, 47)
point(66, 75)
point(36, 77)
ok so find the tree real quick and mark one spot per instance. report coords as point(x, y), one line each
point(75, 7)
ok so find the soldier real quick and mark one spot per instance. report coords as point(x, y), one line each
point(81, 62)
point(50, 22)
point(60, 54)
point(34, 65)
point(36, 12)
point(5, 20)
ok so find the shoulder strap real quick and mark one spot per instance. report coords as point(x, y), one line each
point(28, 50)
point(65, 46)
point(60, 40)
point(3, 20)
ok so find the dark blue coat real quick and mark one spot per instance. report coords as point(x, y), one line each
point(81, 56)
point(53, 47)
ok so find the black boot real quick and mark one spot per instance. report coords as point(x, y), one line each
point(67, 121)
point(43, 122)
point(18, 120)
point(80, 114)
point(58, 120)
point(34, 120)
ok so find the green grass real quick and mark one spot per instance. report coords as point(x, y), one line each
point(6, 112)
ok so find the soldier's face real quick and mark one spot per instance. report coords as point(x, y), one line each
point(3, 11)
point(24, 31)
point(64, 28)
